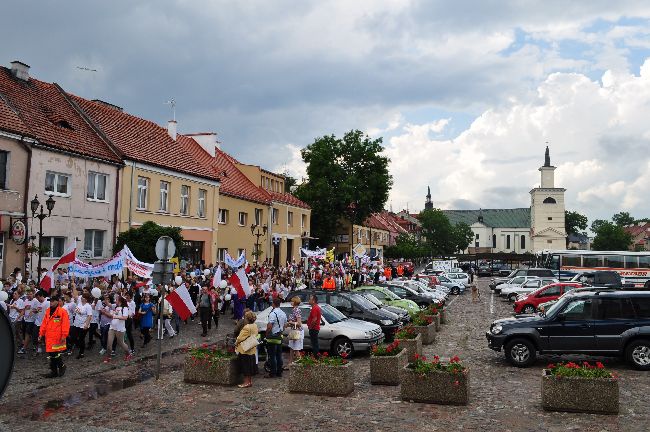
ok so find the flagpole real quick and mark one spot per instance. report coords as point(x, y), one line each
point(160, 322)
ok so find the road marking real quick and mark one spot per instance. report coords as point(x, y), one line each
point(492, 303)
point(453, 300)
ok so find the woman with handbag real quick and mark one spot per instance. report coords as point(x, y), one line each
point(245, 347)
point(296, 333)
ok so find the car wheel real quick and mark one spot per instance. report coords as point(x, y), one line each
point(455, 290)
point(529, 309)
point(638, 354)
point(520, 352)
point(512, 297)
point(342, 345)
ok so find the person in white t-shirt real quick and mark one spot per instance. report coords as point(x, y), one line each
point(118, 327)
point(83, 313)
point(129, 322)
point(167, 320)
point(39, 305)
point(28, 320)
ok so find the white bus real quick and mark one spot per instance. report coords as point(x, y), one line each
point(634, 267)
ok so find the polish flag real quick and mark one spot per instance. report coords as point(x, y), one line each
point(47, 283)
point(181, 302)
point(240, 281)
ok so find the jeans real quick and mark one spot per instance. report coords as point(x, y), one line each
point(274, 352)
point(104, 332)
point(129, 332)
point(78, 336)
point(313, 337)
point(205, 315)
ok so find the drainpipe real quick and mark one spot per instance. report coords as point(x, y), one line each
point(117, 196)
point(26, 205)
point(131, 194)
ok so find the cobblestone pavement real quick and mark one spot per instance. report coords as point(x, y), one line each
point(99, 397)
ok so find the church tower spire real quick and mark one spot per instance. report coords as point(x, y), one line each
point(547, 211)
point(428, 204)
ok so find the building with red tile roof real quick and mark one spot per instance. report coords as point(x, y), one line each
point(640, 233)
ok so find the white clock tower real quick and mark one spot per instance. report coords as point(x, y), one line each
point(547, 211)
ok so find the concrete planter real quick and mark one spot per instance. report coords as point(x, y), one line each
point(321, 379)
point(427, 332)
point(443, 316)
point(222, 372)
point(436, 321)
point(436, 387)
point(386, 369)
point(411, 346)
point(573, 394)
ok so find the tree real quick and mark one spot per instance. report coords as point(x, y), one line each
point(610, 236)
point(438, 233)
point(289, 182)
point(596, 224)
point(142, 240)
point(463, 236)
point(346, 178)
point(623, 219)
point(574, 223)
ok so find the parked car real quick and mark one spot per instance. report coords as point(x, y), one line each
point(437, 296)
point(353, 305)
point(484, 270)
point(540, 272)
point(455, 287)
point(512, 292)
point(388, 297)
point(515, 281)
point(432, 280)
point(459, 277)
point(603, 278)
point(402, 314)
point(528, 303)
point(338, 333)
point(584, 321)
point(408, 294)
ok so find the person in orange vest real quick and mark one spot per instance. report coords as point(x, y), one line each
point(400, 270)
point(329, 283)
point(388, 273)
point(55, 329)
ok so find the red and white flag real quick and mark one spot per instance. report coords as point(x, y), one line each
point(240, 281)
point(47, 283)
point(181, 302)
point(216, 278)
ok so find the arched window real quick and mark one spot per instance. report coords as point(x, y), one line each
point(508, 241)
point(494, 241)
point(523, 242)
point(550, 200)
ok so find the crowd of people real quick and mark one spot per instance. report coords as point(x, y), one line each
point(109, 311)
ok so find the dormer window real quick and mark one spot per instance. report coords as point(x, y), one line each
point(550, 200)
point(64, 124)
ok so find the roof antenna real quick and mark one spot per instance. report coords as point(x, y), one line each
point(172, 102)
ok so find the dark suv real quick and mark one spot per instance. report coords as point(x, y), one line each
point(584, 321)
point(354, 305)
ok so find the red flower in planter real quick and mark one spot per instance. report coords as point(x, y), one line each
point(550, 366)
point(436, 359)
point(456, 383)
point(454, 359)
point(599, 365)
point(205, 345)
point(344, 355)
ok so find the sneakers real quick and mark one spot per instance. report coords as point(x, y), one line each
point(102, 351)
point(21, 351)
point(128, 357)
point(131, 352)
point(39, 350)
point(112, 353)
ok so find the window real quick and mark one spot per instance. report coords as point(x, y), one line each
point(94, 242)
point(290, 218)
point(185, 199)
point(550, 200)
point(550, 218)
point(476, 236)
point(578, 310)
point(242, 218)
point(631, 261)
point(240, 252)
point(4, 163)
point(508, 241)
point(592, 261)
point(644, 262)
point(642, 307)
point(143, 187)
point(303, 221)
point(494, 241)
point(202, 195)
point(571, 261)
point(551, 291)
point(96, 186)
point(258, 216)
point(274, 216)
point(223, 216)
point(523, 242)
point(54, 247)
point(615, 308)
point(164, 196)
point(221, 253)
point(57, 184)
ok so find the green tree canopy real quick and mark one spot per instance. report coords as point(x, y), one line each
point(289, 182)
point(596, 224)
point(438, 233)
point(142, 240)
point(346, 177)
point(610, 236)
point(463, 236)
point(623, 219)
point(574, 223)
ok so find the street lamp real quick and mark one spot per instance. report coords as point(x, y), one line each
point(35, 204)
point(258, 232)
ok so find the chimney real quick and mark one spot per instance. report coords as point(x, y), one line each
point(207, 140)
point(20, 70)
point(171, 129)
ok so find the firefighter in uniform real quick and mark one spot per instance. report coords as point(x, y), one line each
point(55, 329)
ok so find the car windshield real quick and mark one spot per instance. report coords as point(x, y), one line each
point(372, 299)
point(556, 306)
point(390, 295)
point(330, 314)
point(444, 278)
point(363, 302)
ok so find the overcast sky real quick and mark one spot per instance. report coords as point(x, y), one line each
point(465, 93)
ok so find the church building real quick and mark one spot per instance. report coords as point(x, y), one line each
point(518, 230)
